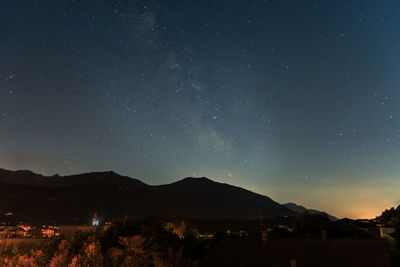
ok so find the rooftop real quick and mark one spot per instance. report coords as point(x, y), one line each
point(306, 252)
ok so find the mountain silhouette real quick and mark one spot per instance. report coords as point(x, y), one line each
point(26, 177)
point(74, 198)
point(300, 209)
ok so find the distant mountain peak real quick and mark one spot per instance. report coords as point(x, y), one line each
point(300, 209)
point(196, 179)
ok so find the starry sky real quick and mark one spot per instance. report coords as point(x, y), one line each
point(297, 100)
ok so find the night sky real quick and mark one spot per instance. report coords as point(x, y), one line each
point(297, 100)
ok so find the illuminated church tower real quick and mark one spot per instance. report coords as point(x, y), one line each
point(95, 220)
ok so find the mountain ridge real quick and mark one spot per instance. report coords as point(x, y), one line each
point(34, 179)
point(301, 209)
point(31, 196)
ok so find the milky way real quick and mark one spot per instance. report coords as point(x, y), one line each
point(298, 100)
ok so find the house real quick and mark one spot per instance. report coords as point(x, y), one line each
point(384, 231)
point(299, 253)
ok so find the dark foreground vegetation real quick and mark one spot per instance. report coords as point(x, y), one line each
point(134, 241)
point(127, 242)
point(391, 218)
